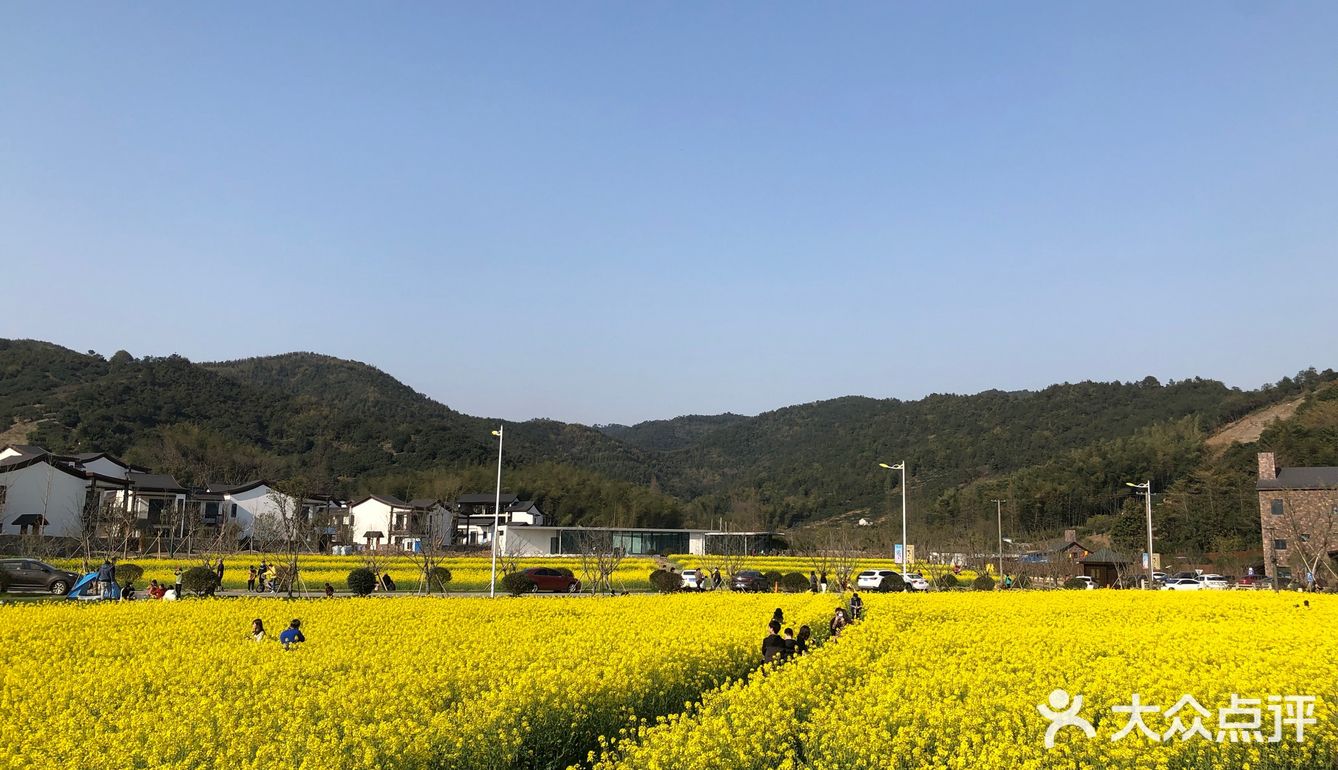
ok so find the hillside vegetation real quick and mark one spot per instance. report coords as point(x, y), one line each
point(1059, 455)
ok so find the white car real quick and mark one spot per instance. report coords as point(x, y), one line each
point(915, 581)
point(1182, 584)
point(1091, 584)
point(1215, 582)
point(872, 579)
point(694, 578)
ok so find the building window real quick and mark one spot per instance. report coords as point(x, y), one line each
point(233, 511)
point(1276, 507)
point(1279, 545)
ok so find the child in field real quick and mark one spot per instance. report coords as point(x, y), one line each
point(258, 630)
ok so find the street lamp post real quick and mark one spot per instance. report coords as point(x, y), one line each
point(998, 504)
point(496, 512)
point(1146, 486)
point(901, 466)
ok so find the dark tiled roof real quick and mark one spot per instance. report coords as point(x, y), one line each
point(488, 498)
point(156, 482)
point(1106, 556)
point(236, 489)
point(1319, 477)
point(390, 500)
point(521, 505)
point(27, 450)
point(423, 502)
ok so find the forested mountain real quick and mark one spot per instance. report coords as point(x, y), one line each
point(1060, 455)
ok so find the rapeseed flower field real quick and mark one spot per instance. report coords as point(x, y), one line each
point(956, 680)
point(413, 682)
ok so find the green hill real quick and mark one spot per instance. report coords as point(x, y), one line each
point(1061, 453)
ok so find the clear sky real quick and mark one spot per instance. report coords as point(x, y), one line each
point(609, 212)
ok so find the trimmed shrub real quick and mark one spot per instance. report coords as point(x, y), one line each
point(133, 572)
point(437, 578)
point(893, 583)
point(1074, 584)
point(794, 583)
point(666, 582)
point(200, 581)
point(361, 581)
point(773, 578)
point(948, 580)
point(517, 583)
point(983, 583)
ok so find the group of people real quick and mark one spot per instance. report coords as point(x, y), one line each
point(289, 637)
point(110, 588)
point(779, 646)
point(262, 577)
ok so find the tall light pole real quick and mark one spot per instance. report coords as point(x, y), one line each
point(1146, 486)
point(496, 512)
point(901, 466)
point(998, 505)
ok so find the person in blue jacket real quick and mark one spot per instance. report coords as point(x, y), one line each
point(292, 635)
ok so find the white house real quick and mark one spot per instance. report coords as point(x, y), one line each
point(40, 495)
point(242, 505)
point(380, 521)
point(103, 464)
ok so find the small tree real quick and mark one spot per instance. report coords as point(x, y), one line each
point(666, 582)
point(893, 583)
point(983, 582)
point(361, 581)
point(200, 581)
point(794, 583)
point(517, 583)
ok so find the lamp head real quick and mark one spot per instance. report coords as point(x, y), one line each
point(497, 433)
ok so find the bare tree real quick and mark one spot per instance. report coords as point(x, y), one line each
point(599, 559)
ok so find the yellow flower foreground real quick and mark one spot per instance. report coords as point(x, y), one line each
point(954, 680)
point(381, 683)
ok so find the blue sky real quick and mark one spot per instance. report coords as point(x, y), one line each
point(613, 212)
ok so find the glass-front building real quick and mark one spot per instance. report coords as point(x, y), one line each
point(629, 542)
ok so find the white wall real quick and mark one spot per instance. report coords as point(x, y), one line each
point(253, 504)
point(105, 467)
point(370, 516)
point(526, 541)
point(697, 543)
point(7, 453)
point(40, 488)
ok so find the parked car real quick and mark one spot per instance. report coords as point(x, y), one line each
point(1130, 581)
point(549, 579)
point(1190, 574)
point(915, 581)
point(1159, 577)
point(1254, 582)
point(1215, 582)
point(695, 578)
point(1182, 584)
point(34, 575)
point(1091, 584)
point(749, 580)
point(872, 579)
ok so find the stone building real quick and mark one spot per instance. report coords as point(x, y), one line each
point(1298, 516)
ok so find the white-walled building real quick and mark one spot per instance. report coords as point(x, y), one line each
point(526, 540)
point(383, 521)
point(40, 495)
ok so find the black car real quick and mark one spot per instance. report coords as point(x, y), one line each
point(749, 580)
point(33, 575)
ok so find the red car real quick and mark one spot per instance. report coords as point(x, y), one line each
point(551, 579)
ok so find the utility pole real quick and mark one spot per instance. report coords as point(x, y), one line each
point(998, 506)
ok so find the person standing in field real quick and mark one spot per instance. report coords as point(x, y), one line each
point(773, 646)
point(260, 576)
point(106, 578)
point(856, 607)
point(715, 578)
point(251, 579)
point(292, 635)
point(822, 581)
point(813, 582)
point(176, 574)
point(219, 572)
point(801, 641)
